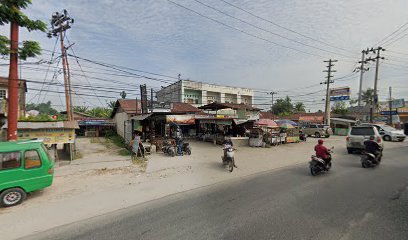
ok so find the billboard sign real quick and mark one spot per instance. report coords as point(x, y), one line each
point(343, 91)
point(398, 103)
point(181, 119)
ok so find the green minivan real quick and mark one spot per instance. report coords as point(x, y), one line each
point(25, 166)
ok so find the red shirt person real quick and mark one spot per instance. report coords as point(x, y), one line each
point(321, 151)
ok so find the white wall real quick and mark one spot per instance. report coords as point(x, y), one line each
point(120, 119)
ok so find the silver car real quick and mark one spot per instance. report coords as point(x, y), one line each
point(359, 134)
point(389, 133)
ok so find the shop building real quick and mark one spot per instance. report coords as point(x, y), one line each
point(199, 94)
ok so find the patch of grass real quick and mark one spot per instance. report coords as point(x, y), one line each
point(77, 155)
point(124, 152)
point(141, 162)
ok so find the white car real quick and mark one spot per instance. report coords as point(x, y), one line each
point(389, 133)
point(359, 134)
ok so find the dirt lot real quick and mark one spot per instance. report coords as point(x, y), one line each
point(114, 182)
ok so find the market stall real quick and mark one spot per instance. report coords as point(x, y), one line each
point(214, 129)
point(271, 131)
point(289, 132)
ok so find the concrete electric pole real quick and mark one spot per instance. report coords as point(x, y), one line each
point(60, 22)
point(272, 93)
point(327, 82)
point(374, 106)
point(390, 106)
point(362, 70)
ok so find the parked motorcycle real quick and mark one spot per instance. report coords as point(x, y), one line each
point(370, 160)
point(186, 148)
point(228, 157)
point(318, 165)
point(168, 149)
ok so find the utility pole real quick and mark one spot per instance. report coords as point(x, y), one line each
point(390, 106)
point(327, 82)
point(12, 117)
point(272, 93)
point(374, 106)
point(60, 22)
point(362, 70)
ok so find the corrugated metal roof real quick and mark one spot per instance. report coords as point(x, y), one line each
point(141, 117)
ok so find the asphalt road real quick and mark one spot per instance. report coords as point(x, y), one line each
point(349, 202)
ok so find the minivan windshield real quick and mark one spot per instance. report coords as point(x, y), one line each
point(363, 131)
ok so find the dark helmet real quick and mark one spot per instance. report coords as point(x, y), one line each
point(320, 141)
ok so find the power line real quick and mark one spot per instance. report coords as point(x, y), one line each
point(285, 28)
point(244, 32)
point(268, 31)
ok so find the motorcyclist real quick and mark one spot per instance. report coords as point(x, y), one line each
point(371, 146)
point(322, 152)
point(227, 144)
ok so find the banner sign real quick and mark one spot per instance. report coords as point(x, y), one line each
point(398, 103)
point(51, 136)
point(181, 119)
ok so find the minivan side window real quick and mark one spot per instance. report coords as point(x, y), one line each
point(10, 160)
point(32, 159)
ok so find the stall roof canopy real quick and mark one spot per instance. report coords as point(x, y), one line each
point(46, 125)
point(235, 106)
point(141, 117)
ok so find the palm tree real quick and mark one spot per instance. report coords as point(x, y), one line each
point(368, 96)
point(299, 107)
point(80, 109)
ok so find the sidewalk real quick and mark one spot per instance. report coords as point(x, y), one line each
point(90, 188)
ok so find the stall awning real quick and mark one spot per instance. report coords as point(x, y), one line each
point(240, 121)
point(141, 117)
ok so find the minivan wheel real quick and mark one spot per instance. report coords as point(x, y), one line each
point(12, 197)
point(387, 138)
point(317, 135)
point(349, 150)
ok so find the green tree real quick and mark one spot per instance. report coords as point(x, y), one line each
point(10, 12)
point(283, 107)
point(299, 107)
point(80, 109)
point(340, 108)
point(42, 108)
point(367, 96)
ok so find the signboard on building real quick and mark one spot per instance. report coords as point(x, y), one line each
point(339, 94)
point(387, 113)
point(313, 119)
point(340, 98)
point(398, 103)
point(160, 107)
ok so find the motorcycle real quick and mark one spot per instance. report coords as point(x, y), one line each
point(318, 165)
point(186, 148)
point(168, 149)
point(302, 137)
point(370, 160)
point(228, 157)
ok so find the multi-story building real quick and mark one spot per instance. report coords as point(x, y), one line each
point(198, 93)
point(22, 88)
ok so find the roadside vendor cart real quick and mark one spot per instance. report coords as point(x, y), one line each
point(271, 131)
point(256, 138)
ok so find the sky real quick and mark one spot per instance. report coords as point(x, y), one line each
point(278, 46)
